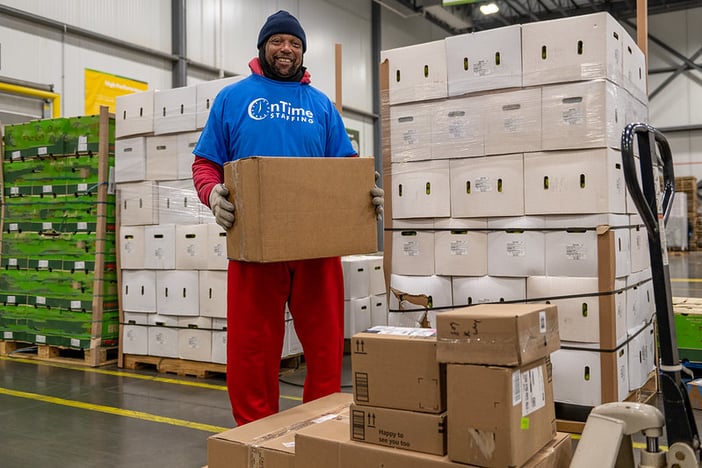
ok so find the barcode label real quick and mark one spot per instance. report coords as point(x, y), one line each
point(516, 388)
point(361, 386)
point(542, 321)
point(533, 390)
point(358, 425)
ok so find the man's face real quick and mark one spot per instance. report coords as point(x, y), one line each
point(284, 54)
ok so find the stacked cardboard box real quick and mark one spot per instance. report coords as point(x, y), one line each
point(405, 412)
point(59, 285)
point(503, 161)
point(500, 393)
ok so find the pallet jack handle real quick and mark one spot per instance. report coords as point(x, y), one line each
point(655, 167)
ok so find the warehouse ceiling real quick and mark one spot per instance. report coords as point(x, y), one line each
point(467, 17)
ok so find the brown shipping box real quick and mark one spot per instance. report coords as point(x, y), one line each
point(497, 334)
point(269, 441)
point(300, 208)
point(396, 367)
point(327, 445)
point(402, 429)
point(694, 389)
point(499, 416)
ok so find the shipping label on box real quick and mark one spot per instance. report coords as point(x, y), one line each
point(497, 334)
point(407, 430)
point(499, 416)
point(300, 208)
point(394, 367)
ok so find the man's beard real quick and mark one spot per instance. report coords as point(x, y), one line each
point(270, 72)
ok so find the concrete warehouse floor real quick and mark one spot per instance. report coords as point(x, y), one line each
point(54, 414)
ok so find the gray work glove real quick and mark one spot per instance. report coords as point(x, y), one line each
point(222, 209)
point(378, 198)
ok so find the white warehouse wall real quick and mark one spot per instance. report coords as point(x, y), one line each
point(678, 104)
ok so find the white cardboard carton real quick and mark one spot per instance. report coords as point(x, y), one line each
point(484, 60)
point(420, 189)
point(577, 48)
point(417, 72)
point(487, 186)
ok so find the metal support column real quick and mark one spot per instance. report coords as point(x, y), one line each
point(377, 124)
point(179, 43)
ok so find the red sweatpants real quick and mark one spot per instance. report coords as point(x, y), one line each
point(256, 297)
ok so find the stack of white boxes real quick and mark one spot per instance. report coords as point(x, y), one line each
point(507, 185)
point(365, 299)
point(173, 254)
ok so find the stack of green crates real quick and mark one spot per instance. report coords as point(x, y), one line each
point(49, 240)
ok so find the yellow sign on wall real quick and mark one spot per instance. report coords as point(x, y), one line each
point(102, 89)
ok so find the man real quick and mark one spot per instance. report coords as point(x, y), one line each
point(275, 112)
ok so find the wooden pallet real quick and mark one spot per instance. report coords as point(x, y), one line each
point(199, 369)
point(60, 354)
point(180, 367)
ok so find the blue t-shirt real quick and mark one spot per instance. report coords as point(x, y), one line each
point(258, 116)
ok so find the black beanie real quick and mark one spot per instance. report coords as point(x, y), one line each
point(282, 22)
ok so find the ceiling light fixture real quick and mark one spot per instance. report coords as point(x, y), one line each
point(489, 8)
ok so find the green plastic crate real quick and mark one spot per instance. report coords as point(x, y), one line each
point(37, 138)
point(83, 134)
point(56, 246)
